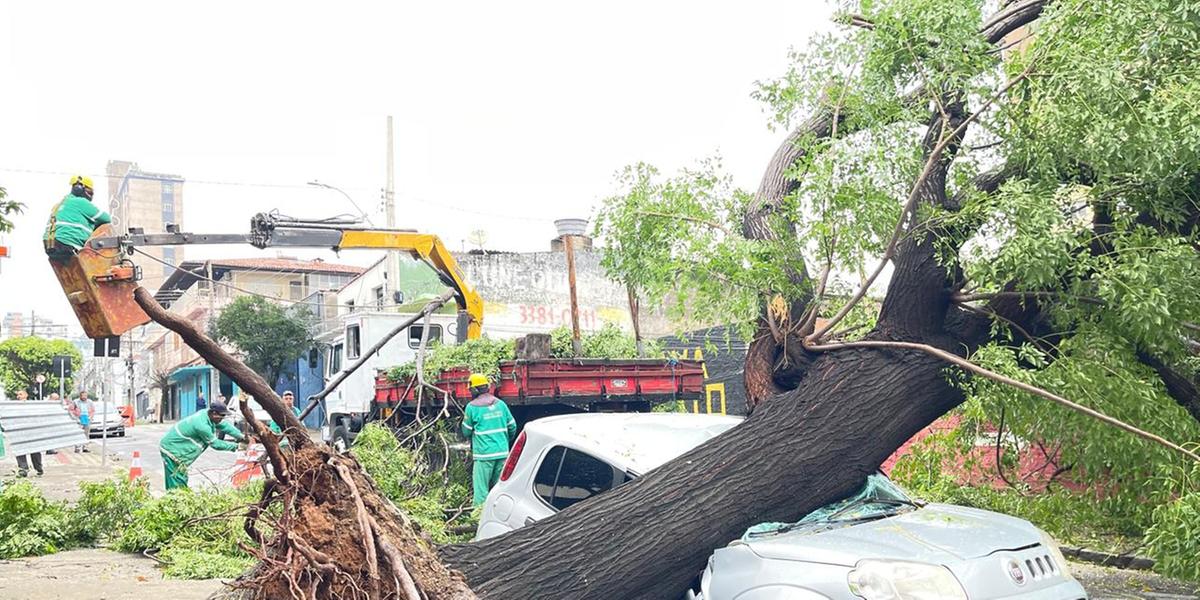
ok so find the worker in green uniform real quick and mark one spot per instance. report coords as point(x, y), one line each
point(73, 220)
point(184, 443)
point(491, 427)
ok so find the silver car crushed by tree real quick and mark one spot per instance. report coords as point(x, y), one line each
point(881, 544)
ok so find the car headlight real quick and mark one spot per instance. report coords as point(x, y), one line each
point(1056, 553)
point(903, 580)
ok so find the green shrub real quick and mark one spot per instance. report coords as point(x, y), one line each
point(31, 525)
point(185, 562)
point(481, 355)
point(185, 524)
point(609, 342)
point(407, 478)
point(106, 508)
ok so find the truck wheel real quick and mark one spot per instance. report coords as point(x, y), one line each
point(340, 439)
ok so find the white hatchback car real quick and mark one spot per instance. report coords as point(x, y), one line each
point(558, 461)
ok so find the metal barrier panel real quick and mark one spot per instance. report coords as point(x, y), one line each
point(38, 426)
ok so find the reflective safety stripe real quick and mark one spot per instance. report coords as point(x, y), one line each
point(487, 431)
point(194, 442)
point(491, 456)
point(75, 225)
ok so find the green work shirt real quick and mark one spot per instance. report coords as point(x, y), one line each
point(490, 426)
point(275, 427)
point(188, 438)
point(75, 221)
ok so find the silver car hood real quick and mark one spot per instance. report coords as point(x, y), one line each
point(937, 534)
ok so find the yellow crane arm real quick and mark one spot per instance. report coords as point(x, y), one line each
point(429, 248)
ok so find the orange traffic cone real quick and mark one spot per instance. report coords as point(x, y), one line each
point(135, 467)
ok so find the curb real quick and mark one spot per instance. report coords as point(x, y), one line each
point(1104, 559)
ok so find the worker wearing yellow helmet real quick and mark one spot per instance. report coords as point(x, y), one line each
point(491, 428)
point(73, 220)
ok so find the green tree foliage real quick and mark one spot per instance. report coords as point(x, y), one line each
point(1091, 123)
point(426, 493)
point(8, 208)
point(30, 525)
point(269, 336)
point(195, 533)
point(23, 358)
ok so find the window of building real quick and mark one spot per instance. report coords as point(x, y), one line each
point(313, 355)
point(349, 306)
point(567, 476)
point(378, 293)
point(168, 202)
point(295, 290)
point(414, 335)
point(352, 342)
point(168, 257)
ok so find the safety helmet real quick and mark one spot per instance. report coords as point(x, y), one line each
point(477, 380)
point(81, 185)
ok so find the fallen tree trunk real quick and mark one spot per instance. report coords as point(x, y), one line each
point(650, 537)
point(336, 535)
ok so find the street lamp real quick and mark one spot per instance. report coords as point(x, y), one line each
point(362, 212)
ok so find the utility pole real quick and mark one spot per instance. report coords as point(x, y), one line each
point(32, 323)
point(392, 272)
point(214, 376)
point(570, 230)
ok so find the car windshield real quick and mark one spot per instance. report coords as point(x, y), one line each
point(878, 498)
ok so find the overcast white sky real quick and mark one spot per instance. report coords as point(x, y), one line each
point(507, 115)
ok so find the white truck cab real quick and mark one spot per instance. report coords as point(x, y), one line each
point(350, 406)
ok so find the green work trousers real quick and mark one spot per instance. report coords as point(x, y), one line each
point(484, 475)
point(176, 474)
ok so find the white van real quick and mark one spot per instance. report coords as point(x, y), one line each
point(351, 405)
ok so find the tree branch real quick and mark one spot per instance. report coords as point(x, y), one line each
point(1179, 387)
point(967, 365)
point(705, 222)
point(910, 205)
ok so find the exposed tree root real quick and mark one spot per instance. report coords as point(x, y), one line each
point(333, 535)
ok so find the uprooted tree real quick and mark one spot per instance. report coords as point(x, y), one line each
point(1033, 191)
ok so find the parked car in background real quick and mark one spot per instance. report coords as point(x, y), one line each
point(558, 461)
point(107, 418)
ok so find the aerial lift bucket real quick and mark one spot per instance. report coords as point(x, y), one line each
point(99, 284)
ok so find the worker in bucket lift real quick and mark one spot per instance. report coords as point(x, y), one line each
point(73, 220)
point(491, 428)
point(184, 442)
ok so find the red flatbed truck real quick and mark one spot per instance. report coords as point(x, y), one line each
point(542, 387)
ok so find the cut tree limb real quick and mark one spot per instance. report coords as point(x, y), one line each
point(227, 364)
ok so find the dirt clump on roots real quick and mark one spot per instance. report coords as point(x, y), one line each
point(325, 532)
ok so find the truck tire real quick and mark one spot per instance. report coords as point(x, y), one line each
point(340, 438)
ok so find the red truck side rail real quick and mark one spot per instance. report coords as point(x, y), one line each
point(578, 382)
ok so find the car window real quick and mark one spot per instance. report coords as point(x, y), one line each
point(567, 476)
point(547, 475)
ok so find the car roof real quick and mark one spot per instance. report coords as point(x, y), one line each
point(634, 441)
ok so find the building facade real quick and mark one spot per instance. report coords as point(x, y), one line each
point(149, 200)
point(189, 292)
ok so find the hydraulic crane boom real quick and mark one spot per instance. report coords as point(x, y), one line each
point(101, 268)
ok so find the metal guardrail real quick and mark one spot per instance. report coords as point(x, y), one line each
point(38, 426)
